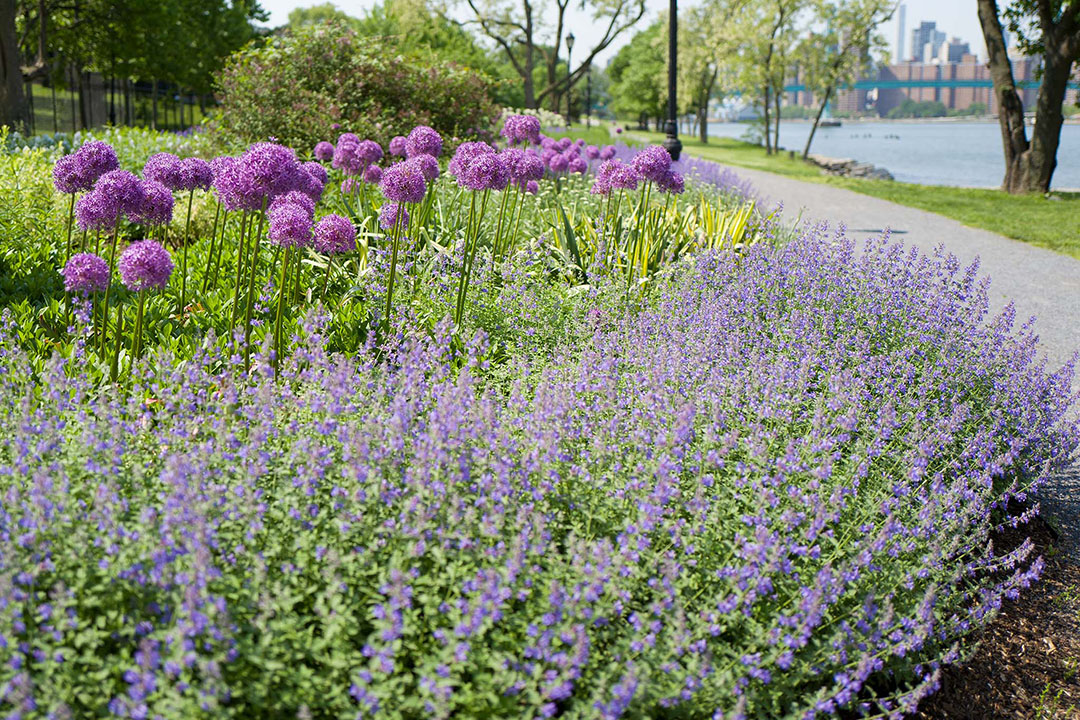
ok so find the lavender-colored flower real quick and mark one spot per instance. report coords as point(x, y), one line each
point(86, 273)
point(220, 164)
point(485, 172)
point(429, 166)
point(607, 152)
point(290, 225)
point(652, 163)
point(311, 186)
point(390, 214)
point(558, 163)
point(164, 168)
point(235, 186)
point(532, 187)
point(272, 168)
point(95, 159)
point(324, 151)
point(522, 129)
point(195, 174)
point(403, 182)
point(592, 152)
point(145, 265)
point(373, 175)
point(350, 185)
point(348, 138)
point(348, 159)
point(563, 144)
point(316, 171)
point(423, 140)
point(625, 178)
point(123, 189)
point(465, 154)
point(66, 176)
point(577, 164)
point(397, 146)
point(295, 197)
point(157, 205)
point(334, 234)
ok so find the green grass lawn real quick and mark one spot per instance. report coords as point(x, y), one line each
point(1052, 222)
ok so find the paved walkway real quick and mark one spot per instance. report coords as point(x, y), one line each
point(1040, 282)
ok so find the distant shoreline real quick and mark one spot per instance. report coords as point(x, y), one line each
point(982, 119)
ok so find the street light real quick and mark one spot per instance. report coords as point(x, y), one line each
point(671, 127)
point(569, 50)
point(588, 96)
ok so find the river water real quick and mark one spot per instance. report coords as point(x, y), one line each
point(931, 153)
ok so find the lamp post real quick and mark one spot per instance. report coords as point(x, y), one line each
point(588, 96)
point(671, 127)
point(569, 50)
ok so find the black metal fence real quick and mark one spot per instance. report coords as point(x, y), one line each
point(89, 100)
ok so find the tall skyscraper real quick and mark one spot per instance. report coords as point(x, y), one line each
point(926, 41)
point(900, 17)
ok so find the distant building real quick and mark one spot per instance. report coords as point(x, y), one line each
point(954, 51)
point(901, 16)
point(926, 41)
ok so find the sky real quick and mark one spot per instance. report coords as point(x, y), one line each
point(954, 17)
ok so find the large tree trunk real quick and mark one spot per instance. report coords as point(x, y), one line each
point(530, 88)
point(776, 103)
point(1010, 108)
point(1040, 160)
point(817, 119)
point(768, 130)
point(13, 108)
point(703, 122)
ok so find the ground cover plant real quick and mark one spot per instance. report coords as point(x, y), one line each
point(541, 430)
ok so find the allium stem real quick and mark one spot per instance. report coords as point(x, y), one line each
point(278, 345)
point(252, 271)
point(326, 279)
point(114, 368)
point(139, 325)
point(240, 248)
point(112, 264)
point(213, 243)
point(184, 270)
point(70, 221)
point(395, 232)
point(496, 246)
point(471, 241)
point(512, 240)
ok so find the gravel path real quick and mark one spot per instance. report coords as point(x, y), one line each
point(1040, 282)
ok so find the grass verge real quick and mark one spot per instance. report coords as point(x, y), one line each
point(1051, 222)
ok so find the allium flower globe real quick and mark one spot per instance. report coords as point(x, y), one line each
point(295, 197)
point(348, 138)
point(157, 205)
point(195, 174)
point(391, 213)
point(403, 182)
point(423, 140)
point(369, 151)
point(429, 166)
point(334, 234)
point(96, 211)
point(324, 151)
point(290, 225)
point(86, 273)
point(164, 168)
point(316, 171)
point(485, 172)
point(466, 152)
point(652, 163)
point(95, 159)
point(532, 187)
point(558, 163)
point(66, 176)
point(397, 146)
point(145, 265)
point(592, 152)
point(373, 175)
point(607, 152)
point(123, 189)
point(672, 183)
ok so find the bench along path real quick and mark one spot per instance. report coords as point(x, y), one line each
point(1039, 282)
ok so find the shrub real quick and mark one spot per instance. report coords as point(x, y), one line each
point(769, 494)
point(301, 85)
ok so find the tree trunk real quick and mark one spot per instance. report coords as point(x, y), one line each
point(13, 108)
point(768, 132)
point(817, 119)
point(703, 123)
point(1010, 108)
point(1040, 160)
point(776, 103)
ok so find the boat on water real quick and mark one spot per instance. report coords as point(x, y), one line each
point(829, 123)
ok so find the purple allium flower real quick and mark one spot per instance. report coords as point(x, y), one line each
point(423, 140)
point(397, 146)
point(219, 164)
point(673, 183)
point(652, 163)
point(235, 186)
point(429, 166)
point(324, 151)
point(373, 175)
point(157, 205)
point(558, 163)
point(403, 182)
point(290, 225)
point(66, 177)
point(273, 169)
point(86, 273)
point(295, 197)
point(348, 138)
point(563, 144)
point(123, 189)
point(592, 152)
point(145, 265)
point(369, 151)
point(350, 185)
point(195, 174)
point(347, 158)
point(532, 187)
point(607, 152)
point(95, 159)
point(522, 129)
point(485, 172)
point(390, 214)
point(523, 166)
point(465, 154)
point(164, 168)
point(625, 178)
point(577, 164)
point(618, 131)
point(316, 171)
point(95, 211)
point(334, 234)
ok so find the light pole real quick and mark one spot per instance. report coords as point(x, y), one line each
point(569, 50)
point(671, 128)
point(588, 96)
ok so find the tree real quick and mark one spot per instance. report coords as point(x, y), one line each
point(521, 30)
point(13, 108)
point(638, 74)
point(841, 51)
point(1050, 29)
point(319, 14)
point(708, 43)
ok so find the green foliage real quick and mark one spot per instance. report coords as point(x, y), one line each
point(924, 109)
point(299, 85)
point(638, 74)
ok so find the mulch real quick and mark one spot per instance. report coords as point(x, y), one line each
point(1027, 664)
